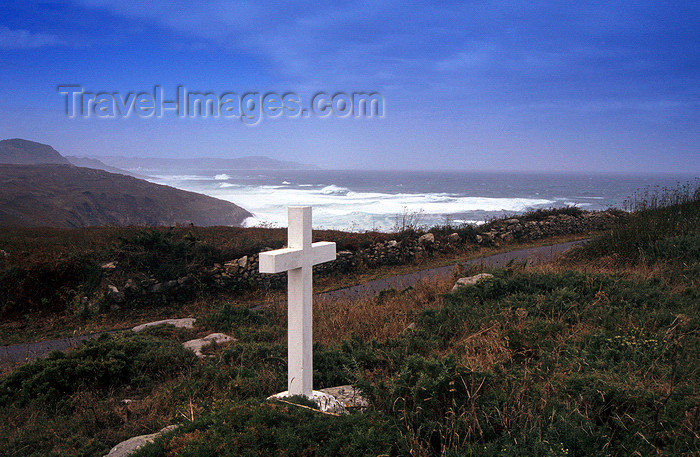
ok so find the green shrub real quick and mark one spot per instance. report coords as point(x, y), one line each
point(270, 428)
point(156, 252)
point(334, 367)
point(46, 287)
point(110, 361)
point(664, 225)
point(543, 213)
point(438, 401)
point(681, 249)
point(247, 325)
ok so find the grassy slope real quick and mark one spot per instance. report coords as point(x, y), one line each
point(595, 355)
point(48, 270)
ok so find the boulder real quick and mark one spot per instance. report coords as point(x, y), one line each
point(131, 445)
point(324, 402)
point(471, 280)
point(427, 238)
point(187, 322)
point(348, 396)
point(131, 286)
point(114, 294)
point(231, 267)
point(161, 287)
point(197, 345)
point(507, 237)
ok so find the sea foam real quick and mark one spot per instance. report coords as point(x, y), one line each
point(338, 208)
point(372, 200)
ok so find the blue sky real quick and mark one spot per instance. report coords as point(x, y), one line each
point(545, 86)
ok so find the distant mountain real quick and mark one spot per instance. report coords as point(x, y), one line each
point(148, 164)
point(88, 162)
point(24, 152)
point(69, 196)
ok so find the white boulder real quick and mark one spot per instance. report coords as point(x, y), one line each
point(197, 345)
point(427, 238)
point(471, 280)
point(187, 322)
point(324, 402)
point(132, 445)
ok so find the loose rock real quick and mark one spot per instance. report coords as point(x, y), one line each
point(324, 402)
point(197, 345)
point(347, 396)
point(114, 294)
point(427, 238)
point(471, 280)
point(187, 322)
point(131, 445)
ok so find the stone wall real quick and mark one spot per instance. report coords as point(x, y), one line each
point(242, 273)
point(561, 224)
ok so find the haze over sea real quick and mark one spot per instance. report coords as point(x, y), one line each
point(361, 200)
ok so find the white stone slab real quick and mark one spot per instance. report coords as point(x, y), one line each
point(187, 322)
point(132, 445)
point(197, 345)
point(325, 402)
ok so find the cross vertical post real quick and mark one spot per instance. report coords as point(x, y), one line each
point(298, 260)
point(299, 305)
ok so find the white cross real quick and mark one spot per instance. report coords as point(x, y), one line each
point(298, 260)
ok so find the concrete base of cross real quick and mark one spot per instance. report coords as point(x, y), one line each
point(324, 402)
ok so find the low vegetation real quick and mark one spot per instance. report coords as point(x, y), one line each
point(588, 356)
point(47, 272)
point(664, 227)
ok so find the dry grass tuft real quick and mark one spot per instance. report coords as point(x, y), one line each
point(377, 317)
point(606, 265)
point(481, 350)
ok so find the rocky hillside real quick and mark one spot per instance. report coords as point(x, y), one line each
point(24, 152)
point(69, 196)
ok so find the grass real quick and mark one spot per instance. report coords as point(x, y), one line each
point(597, 354)
point(664, 225)
point(39, 294)
point(50, 325)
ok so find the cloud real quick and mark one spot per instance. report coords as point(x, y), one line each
point(345, 43)
point(528, 52)
point(24, 39)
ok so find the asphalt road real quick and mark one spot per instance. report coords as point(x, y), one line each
point(530, 255)
point(24, 352)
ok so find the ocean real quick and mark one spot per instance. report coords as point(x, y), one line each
point(358, 200)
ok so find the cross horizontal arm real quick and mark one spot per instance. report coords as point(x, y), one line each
point(280, 260)
point(322, 251)
point(290, 258)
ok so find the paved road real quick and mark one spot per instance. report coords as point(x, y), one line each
point(19, 353)
point(531, 256)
